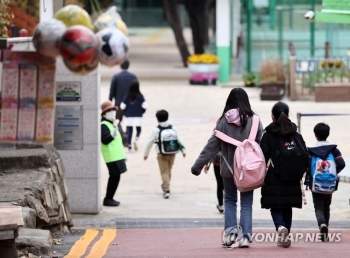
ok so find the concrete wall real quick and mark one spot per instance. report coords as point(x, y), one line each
point(83, 166)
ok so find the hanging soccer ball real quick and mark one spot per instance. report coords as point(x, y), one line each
point(82, 69)
point(46, 37)
point(113, 46)
point(78, 45)
point(74, 15)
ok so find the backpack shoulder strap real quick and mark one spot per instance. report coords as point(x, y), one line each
point(254, 129)
point(226, 138)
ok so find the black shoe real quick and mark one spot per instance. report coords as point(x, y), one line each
point(110, 202)
point(324, 232)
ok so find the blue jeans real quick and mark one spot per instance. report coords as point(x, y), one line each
point(282, 217)
point(231, 208)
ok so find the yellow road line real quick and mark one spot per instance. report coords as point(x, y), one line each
point(154, 37)
point(79, 248)
point(99, 249)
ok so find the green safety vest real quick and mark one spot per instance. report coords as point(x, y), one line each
point(113, 151)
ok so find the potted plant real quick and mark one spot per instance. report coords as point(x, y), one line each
point(250, 79)
point(204, 69)
point(272, 79)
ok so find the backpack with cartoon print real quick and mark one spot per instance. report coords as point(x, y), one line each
point(323, 174)
point(291, 158)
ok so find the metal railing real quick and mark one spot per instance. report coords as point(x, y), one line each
point(299, 115)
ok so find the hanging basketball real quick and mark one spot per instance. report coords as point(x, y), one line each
point(47, 36)
point(113, 46)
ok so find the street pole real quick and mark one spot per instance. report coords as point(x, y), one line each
point(249, 32)
point(312, 31)
point(291, 14)
point(223, 38)
point(272, 13)
point(280, 33)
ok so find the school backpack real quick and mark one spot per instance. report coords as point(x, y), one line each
point(249, 168)
point(324, 174)
point(291, 158)
point(167, 140)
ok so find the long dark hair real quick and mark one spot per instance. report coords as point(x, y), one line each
point(280, 111)
point(134, 91)
point(238, 99)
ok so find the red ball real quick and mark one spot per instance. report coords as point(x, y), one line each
point(78, 45)
point(323, 164)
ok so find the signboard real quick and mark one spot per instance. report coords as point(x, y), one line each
point(69, 128)
point(68, 91)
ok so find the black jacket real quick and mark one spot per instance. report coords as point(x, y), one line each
point(120, 85)
point(276, 193)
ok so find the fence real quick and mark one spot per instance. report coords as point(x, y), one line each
point(299, 115)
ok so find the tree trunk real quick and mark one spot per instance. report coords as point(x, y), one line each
point(173, 19)
point(198, 15)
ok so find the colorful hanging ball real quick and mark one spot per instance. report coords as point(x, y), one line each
point(82, 69)
point(113, 46)
point(47, 36)
point(78, 45)
point(74, 15)
point(107, 21)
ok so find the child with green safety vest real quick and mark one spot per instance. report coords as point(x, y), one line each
point(112, 150)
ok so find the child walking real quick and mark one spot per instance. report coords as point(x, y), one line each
point(134, 106)
point(281, 192)
point(219, 181)
point(323, 156)
point(168, 143)
point(236, 121)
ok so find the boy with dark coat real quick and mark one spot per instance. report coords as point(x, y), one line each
point(322, 202)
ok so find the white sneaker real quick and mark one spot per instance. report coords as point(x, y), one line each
point(166, 195)
point(220, 208)
point(283, 239)
point(231, 238)
point(244, 243)
point(135, 146)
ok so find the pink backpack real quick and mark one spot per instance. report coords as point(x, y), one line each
point(249, 168)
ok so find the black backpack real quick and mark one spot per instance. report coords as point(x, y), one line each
point(167, 140)
point(291, 158)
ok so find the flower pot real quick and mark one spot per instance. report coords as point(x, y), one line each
point(249, 84)
point(272, 91)
point(203, 68)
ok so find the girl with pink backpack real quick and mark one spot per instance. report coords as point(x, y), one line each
point(236, 122)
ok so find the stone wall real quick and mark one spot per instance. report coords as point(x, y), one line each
point(34, 176)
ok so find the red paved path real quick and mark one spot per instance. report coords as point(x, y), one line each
point(206, 243)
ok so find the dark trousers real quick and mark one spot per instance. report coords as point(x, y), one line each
point(322, 203)
point(113, 181)
point(220, 185)
point(282, 217)
point(129, 130)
